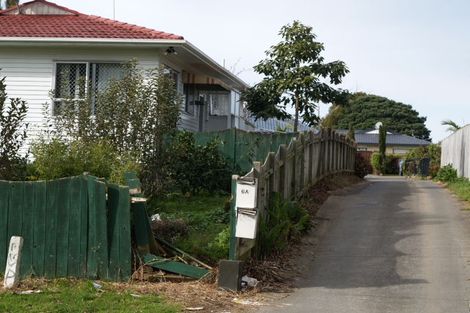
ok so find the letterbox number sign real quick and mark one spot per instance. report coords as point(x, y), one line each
point(246, 195)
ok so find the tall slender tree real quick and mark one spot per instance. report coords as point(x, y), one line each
point(382, 146)
point(351, 132)
point(296, 75)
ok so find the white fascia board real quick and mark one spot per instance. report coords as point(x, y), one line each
point(66, 40)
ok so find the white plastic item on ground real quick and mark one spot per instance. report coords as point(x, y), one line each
point(247, 302)
point(155, 218)
point(250, 281)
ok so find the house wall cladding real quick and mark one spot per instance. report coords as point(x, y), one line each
point(72, 227)
point(456, 151)
point(30, 75)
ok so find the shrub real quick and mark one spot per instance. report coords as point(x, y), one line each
point(133, 116)
point(362, 166)
point(284, 221)
point(195, 168)
point(447, 174)
point(388, 166)
point(219, 247)
point(12, 136)
point(375, 161)
point(433, 152)
point(59, 158)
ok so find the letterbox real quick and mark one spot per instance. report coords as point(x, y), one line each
point(247, 214)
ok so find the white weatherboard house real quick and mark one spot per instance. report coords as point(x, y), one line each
point(40, 40)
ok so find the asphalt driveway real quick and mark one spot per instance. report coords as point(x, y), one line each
point(395, 245)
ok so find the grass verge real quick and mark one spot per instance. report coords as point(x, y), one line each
point(65, 295)
point(461, 188)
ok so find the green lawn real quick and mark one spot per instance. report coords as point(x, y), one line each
point(80, 296)
point(207, 217)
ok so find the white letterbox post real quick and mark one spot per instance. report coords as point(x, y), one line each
point(12, 270)
point(247, 213)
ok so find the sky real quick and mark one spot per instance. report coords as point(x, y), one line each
point(412, 51)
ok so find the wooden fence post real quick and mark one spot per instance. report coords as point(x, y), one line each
point(299, 165)
point(310, 158)
point(283, 179)
point(290, 168)
point(233, 221)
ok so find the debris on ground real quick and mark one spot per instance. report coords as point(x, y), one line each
point(195, 309)
point(28, 292)
point(247, 302)
point(249, 282)
point(97, 286)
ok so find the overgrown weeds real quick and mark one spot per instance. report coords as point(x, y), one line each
point(206, 217)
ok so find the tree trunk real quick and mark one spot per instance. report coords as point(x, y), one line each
point(296, 120)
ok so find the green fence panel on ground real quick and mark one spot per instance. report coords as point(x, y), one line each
point(244, 147)
point(72, 227)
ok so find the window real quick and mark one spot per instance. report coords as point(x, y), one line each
point(70, 79)
point(174, 75)
point(190, 95)
point(73, 79)
point(219, 104)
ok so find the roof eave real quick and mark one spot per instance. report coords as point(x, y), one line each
point(118, 42)
point(215, 65)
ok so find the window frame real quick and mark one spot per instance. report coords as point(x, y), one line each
point(88, 78)
point(212, 94)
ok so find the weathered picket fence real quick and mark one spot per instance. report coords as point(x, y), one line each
point(72, 227)
point(307, 159)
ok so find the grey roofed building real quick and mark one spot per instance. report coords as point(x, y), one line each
point(368, 140)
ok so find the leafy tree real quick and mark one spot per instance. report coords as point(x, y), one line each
point(11, 3)
point(452, 126)
point(364, 111)
point(12, 135)
point(296, 75)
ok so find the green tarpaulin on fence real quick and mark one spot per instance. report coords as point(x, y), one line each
point(243, 147)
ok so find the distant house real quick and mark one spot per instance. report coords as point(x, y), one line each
point(274, 124)
point(368, 140)
point(40, 41)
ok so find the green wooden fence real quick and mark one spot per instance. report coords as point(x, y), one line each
point(243, 147)
point(72, 227)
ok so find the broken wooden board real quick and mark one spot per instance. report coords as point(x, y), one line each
point(175, 267)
